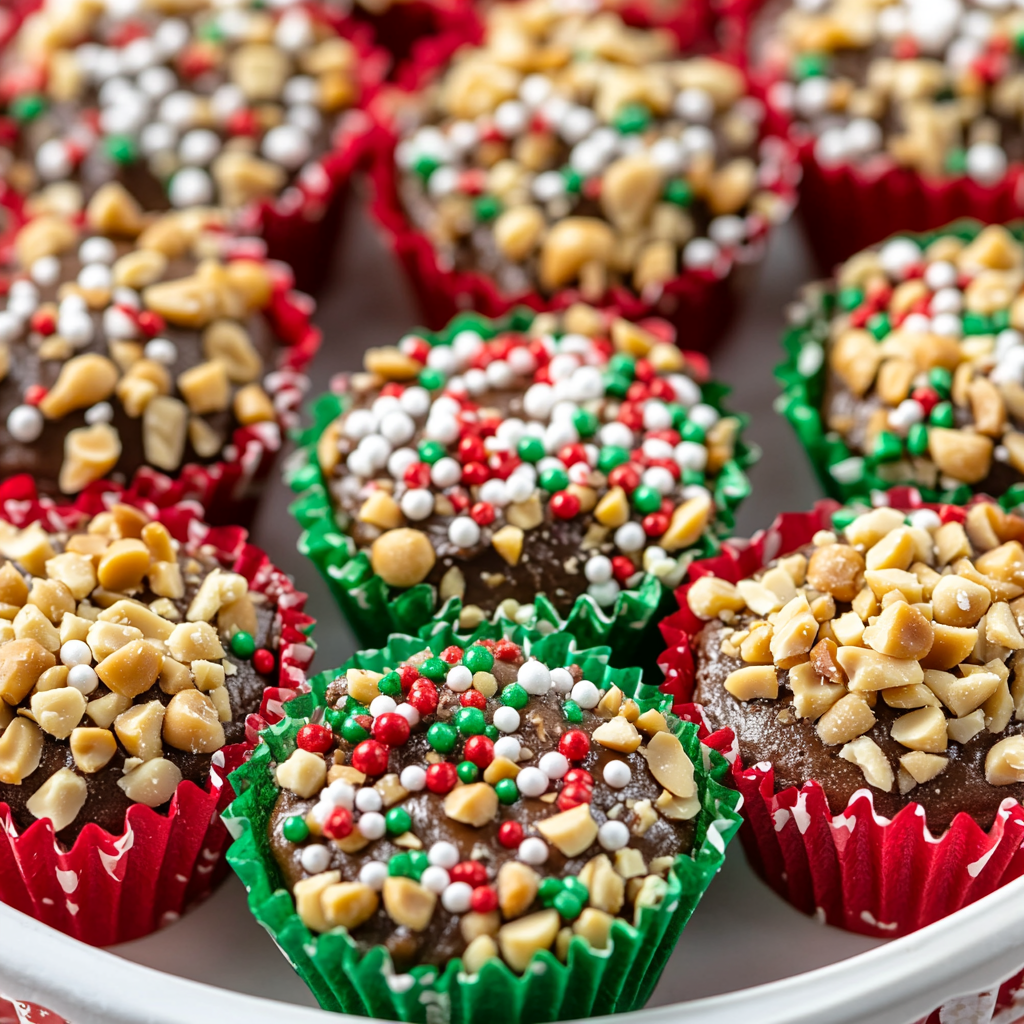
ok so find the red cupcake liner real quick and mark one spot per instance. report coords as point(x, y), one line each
point(853, 869)
point(698, 303)
point(107, 889)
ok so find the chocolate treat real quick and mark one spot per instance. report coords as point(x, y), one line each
point(569, 150)
point(931, 85)
point(574, 459)
point(130, 340)
point(127, 661)
point(922, 380)
point(480, 803)
point(886, 654)
point(187, 105)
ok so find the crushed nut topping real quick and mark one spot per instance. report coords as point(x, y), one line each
point(577, 441)
point(130, 324)
point(415, 800)
point(922, 614)
point(933, 85)
point(571, 150)
point(209, 106)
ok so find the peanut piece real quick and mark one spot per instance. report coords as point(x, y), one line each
point(901, 632)
point(303, 773)
point(92, 748)
point(131, 669)
point(402, 557)
point(194, 641)
point(1004, 763)
point(847, 719)
point(923, 730)
point(83, 381)
point(869, 670)
point(191, 723)
point(408, 904)
point(519, 940)
point(164, 432)
point(957, 601)
point(58, 712)
point(348, 904)
point(753, 682)
point(517, 888)
point(835, 569)
point(21, 747)
point(152, 783)
point(963, 456)
point(617, 734)
point(59, 798)
point(22, 662)
point(475, 804)
point(228, 343)
point(123, 566)
point(867, 755)
point(572, 831)
point(90, 453)
point(139, 729)
point(711, 595)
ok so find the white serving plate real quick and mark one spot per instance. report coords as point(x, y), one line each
point(745, 957)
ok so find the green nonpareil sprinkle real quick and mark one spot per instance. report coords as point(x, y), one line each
point(397, 821)
point(442, 737)
point(467, 772)
point(243, 644)
point(572, 711)
point(679, 192)
point(942, 415)
point(514, 696)
point(478, 659)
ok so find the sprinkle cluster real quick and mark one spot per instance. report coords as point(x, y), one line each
point(220, 106)
point(926, 357)
point(897, 634)
point(450, 724)
point(482, 442)
point(934, 85)
point(571, 150)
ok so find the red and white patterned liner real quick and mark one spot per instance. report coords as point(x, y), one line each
point(853, 869)
point(107, 889)
point(699, 303)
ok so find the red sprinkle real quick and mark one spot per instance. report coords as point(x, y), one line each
point(565, 505)
point(316, 738)
point(570, 454)
point(484, 899)
point(580, 775)
point(655, 524)
point(391, 728)
point(408, 675)
point(441, 777)
point(263, 661)
point(34, 394)
point(505, 650)
point(574, 795)
point(473, 699)
point(371, 757)
point(151, 324)
point(479, 749)
point(452, 655)
point(475, 473)
point(471, 449)
point(574, 744)
point(243, 122)
point(338, 823)
point(622, 568)
point(417, 475)
point(510, 834)
point(423, 696)
point(472, 872)
point(482, 513)
point(624, 476)
point(43, 321)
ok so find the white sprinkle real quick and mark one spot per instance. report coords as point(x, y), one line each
point(368, 799)
point(617, 774)
point(506, 719)
point(443, 854)
point(586, 694)
point(25, 423)
point(613, 835)
point(554, 764)
point(315, 858)
point(413, 778)
point(532, 782)
point(532, 850)
point(372, 825)
point(457, 898)
point(374, 873)
point(83, 678)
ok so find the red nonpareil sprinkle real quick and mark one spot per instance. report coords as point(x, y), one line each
point(926, 398)
point(392, 389)
point(580, 776)
point(644, 371)
point(479, 749)
point(574, 744)
point(408, 674)
point(451, 655)
point(482, 513)
point(505, 650)
point(503, 463)
point(622, 568)
point(638, 392)
point(475, 473)
point(459, 499)
point(670, 464)
point(391, 729)
point(662, 389)
point(338, 824)
point(564, 505)
point(151, 324)
point(315, 738)
point(365, 721)
point(441, 777)
point(371, 757)
point(423, 696)
point(484, 899)
point(655, 524)
point(417, 475)
point(631, 415)
point(34, 394)
point(573, 795)
point(471, 449)
point(416, 348)
point(473, 699)
point(263, 661)
point(243, 122)
point(43, 321)
point(624, 476)
point(472, 872)
point(570, 454)
point(510, 834)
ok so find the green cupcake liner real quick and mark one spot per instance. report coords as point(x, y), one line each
point(846, 474)
point(374, 612)
point(613, 980)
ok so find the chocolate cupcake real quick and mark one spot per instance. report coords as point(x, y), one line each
point(908, 367)
point(133, 340)
point(130, 661)
point(867, 662)
point(452, 818)
point(570, 155)
point(906, 115)
point(557, 468)
point(196, 106)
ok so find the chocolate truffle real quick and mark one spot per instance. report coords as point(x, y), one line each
point(481, 803)
point(886, 654)
point(127, 661)
point(186, 105)
point(570, 150)
point(922, 378)
point(130, 340)
point(571, 457)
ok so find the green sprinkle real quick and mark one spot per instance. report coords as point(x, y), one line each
point(431, 379)
point(353, 732)
point(335, 719)
point(398, 821)
point(956, 161)
point(632, 118)
point(486, 207)
point(28, 107)
point(400, 865)
point(1000, 320)
point(434, 668)
point(572, 711)
point(478, 659)
point(470, 721)
point(691, 431)
point(430, 451)
point(887, 447)
point(295, 829)
point(878, 324)
point(585, 422)
point(646, 499)
point(121, 149)
point(507, 790)
point(573, 180)
point(977, 323)
point(850, 298)
point(425, 166)
point(530, 449)
point(491, 732)
point(390, 684)
point(467, 772)
point(623, 365)
point(419, 862)
point(568, 905)
point(578, 889)
point(616, 385)
point(442, 737)
point(611, 456)
point(514, 696)
point(679, 192)
point(693, 476)
point(549, 889)
point(917, 439)
point(809, 65)
point(941, 380)
point(942, 415)
point(243, 644)
point(554, 479)
point(842, 518)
